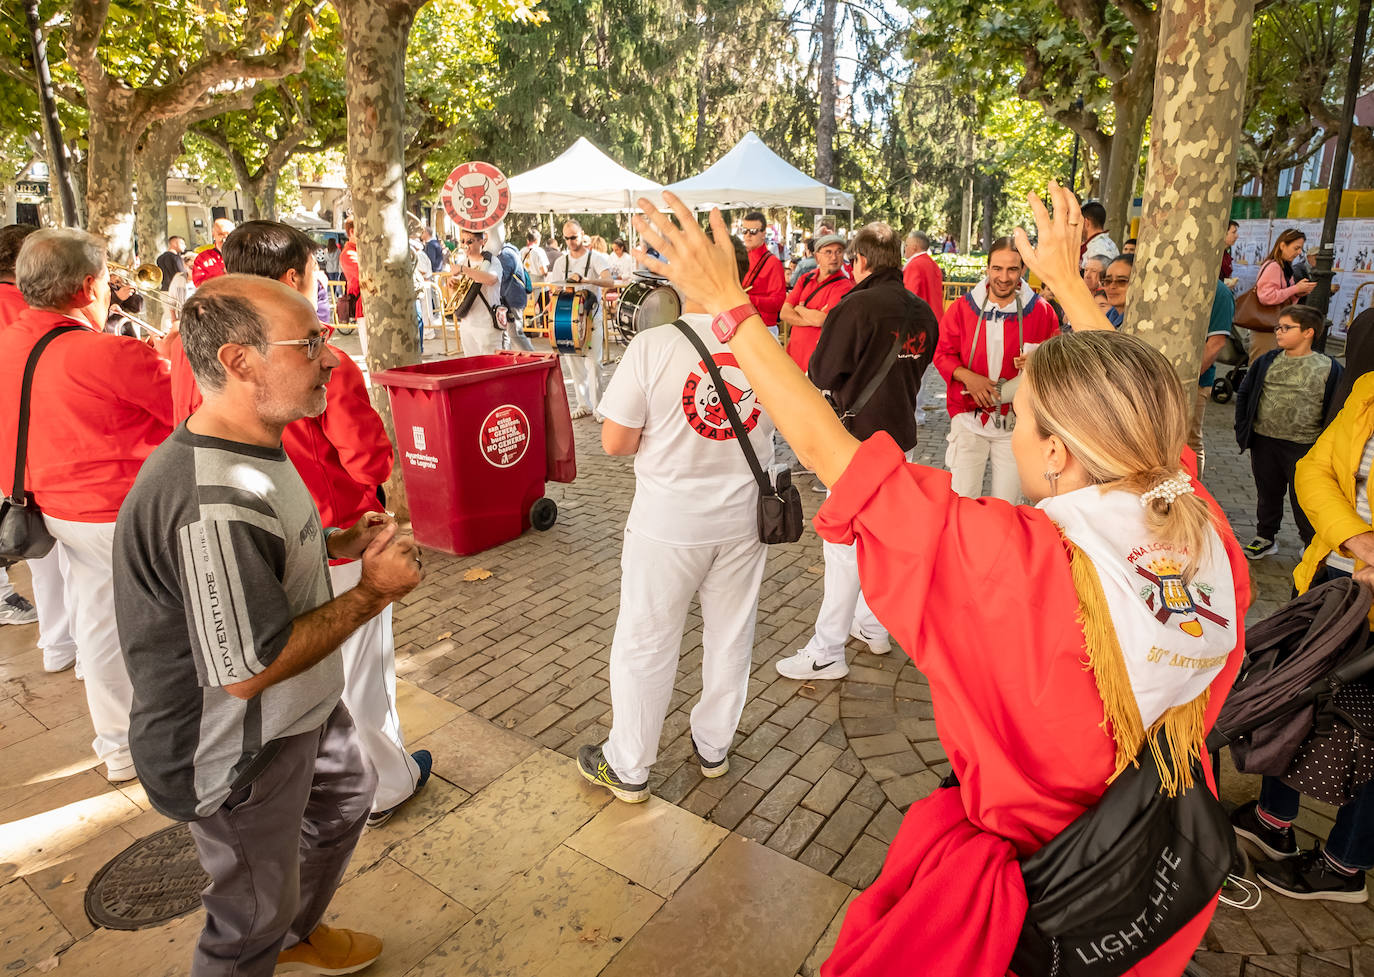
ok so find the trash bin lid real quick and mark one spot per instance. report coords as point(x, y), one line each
point(462, 370)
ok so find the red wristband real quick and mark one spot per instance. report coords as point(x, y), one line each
point(727, 323)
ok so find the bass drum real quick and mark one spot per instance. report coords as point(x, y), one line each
point(571, 324)
point(645, 303)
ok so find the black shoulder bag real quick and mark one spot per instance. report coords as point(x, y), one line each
point(1123, 877)
point(23, 534)
point(780, 508)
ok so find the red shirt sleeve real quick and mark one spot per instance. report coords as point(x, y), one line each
point(354, 427)
point(933, 280)
point(794, 297)
point(142, 379)
point(185, 392)
point(948, 356)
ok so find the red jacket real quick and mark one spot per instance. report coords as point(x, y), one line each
point(923, 279)
point(956, 347)
point(342, 455)
point(11, 303)
point(101, 404)
point(208, 264)
point(766, 283)
point(1021, 722)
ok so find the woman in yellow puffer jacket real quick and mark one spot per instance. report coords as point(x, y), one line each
point(1332, 483)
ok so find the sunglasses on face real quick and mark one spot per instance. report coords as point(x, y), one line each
point(313, 346)
point(1116, 279)
point(751, 231)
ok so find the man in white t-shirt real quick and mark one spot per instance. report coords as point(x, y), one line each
point(583, 268)
point(692, 531)
point(478, 329)
point(534, 259)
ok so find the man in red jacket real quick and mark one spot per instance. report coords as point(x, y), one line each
point(210, 262)
point(921, 275)
point(765, 281)
point(100, 405)
point(984, 337)
point(343, 455)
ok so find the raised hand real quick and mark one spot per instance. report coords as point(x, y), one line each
point(703, 270)
point(1054, 257)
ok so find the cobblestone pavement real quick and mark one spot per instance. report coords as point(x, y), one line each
point(821, 772)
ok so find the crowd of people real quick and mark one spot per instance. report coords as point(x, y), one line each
point(215, 502)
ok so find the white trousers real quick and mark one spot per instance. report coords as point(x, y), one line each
point(6, 588)
point(584, 369)
point(369, 661)
point(53, 603)
point(970, 444)
point(843, 605)
point(89, 549)
point(477, 334)
point(657, 582)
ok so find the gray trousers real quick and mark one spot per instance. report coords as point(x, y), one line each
point(515, 331)
point(276, 850)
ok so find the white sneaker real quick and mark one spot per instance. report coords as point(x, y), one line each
point(58, 665)
point(804, 666)
point(878, 646)
point(119, 775)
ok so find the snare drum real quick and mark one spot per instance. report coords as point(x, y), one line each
point(571, 324)
point(646, 303)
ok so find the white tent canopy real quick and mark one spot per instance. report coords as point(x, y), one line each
point(752, 175)
point(584, 180)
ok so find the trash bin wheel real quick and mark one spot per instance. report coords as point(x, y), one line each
point(543, 514)
point(1221, 391)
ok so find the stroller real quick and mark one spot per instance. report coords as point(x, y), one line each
point(1296, 710)
point(1235, 354)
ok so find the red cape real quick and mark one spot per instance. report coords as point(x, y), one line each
point(980, 594)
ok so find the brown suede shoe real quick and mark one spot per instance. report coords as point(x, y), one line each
point(330, 951)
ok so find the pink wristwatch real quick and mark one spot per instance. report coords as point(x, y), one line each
point(727, 323)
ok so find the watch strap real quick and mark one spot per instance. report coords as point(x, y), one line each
point(727, 323)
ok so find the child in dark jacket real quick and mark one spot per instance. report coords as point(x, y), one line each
point(1279, 412)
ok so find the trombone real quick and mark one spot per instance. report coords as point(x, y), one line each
point(145, 279)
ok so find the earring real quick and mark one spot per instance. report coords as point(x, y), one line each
point(1053, 479)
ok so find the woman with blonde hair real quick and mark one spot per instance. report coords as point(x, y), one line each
point(1059, 638)
point(598, 243)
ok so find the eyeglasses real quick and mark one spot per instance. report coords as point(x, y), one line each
point(1116, 279)
point(314, 346)
point(751, 231)
point(1282, 327)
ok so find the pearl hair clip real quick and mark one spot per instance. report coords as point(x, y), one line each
point(1169, 490)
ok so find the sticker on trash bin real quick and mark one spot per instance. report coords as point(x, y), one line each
point(504, 436)
point(417, 434)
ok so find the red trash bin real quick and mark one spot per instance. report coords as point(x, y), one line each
point(474, 441)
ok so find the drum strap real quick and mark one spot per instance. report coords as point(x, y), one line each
point(756, 271)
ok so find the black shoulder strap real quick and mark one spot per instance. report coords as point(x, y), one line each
point(741, 435)
point(871, 388)
point(21, 441)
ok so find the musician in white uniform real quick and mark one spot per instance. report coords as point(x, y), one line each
point(590, 270)
point(692, 532)
point(478, 329)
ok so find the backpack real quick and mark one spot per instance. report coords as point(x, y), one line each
point(515, 280)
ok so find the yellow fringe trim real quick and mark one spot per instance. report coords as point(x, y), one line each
point(1183, 726)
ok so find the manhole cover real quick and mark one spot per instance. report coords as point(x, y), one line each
point(153, 880)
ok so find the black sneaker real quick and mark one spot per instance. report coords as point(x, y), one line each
point(711, 769)
point(1260, 547)
point(1274, 843)
point(1311, 876)
point(425, 761)
point(591, 763)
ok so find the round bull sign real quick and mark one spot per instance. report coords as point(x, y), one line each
point(476, 196)
point(504, 436)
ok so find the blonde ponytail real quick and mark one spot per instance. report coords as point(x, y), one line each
point(1119, 408)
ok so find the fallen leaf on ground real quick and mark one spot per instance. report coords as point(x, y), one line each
point(43, 966)
point(817, 568)
point(477, 573)
point(69, 878)
point(445, 636)
point(591, 937)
